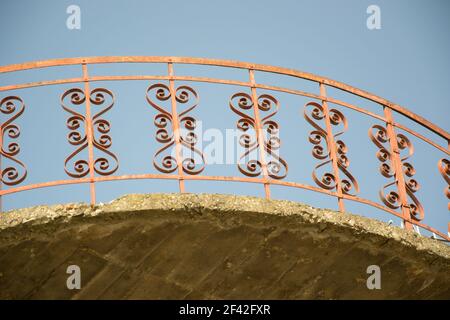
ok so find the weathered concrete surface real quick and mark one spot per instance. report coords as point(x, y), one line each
point(172, 246)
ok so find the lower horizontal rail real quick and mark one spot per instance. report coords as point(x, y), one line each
point(217, 178)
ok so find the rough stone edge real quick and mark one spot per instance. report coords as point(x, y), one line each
point(39, 215)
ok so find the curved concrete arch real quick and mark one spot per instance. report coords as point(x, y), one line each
point(186, 246)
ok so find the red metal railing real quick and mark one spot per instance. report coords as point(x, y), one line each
point(254, 111)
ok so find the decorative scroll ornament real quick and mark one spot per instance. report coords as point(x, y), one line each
point(102, 99)
point(192, 160)
point(444, 169)
point(389, 193)
point(13, 107)
point(314, 113)
point(277, 167)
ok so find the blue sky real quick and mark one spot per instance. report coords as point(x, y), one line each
point(406, 61)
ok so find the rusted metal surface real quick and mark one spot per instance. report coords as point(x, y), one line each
point(444, 169)
point(88, 139)
point(265, 139)
point(16, 172)
point(232, 64)
point(181, 134)
point(394, 165)
point(180, 158)
point(334, 151)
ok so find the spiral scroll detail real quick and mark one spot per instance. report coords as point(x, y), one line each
point(13, 107)
point(315, 115)
point(444, 169)
point(389, 193)
point(105, 164)
point(192, 160)
point(240, 103)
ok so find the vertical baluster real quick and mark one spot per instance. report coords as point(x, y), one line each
point(89, 132)
point(259, 134)
point(332, 148)
point(176, 127)
point(10, 175)
point(444, 170)
point(398, 168)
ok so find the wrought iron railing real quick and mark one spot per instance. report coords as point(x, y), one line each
point(89, 132)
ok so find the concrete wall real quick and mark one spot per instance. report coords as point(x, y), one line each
point(172, 246)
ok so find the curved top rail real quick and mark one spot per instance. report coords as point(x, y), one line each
point(233, 64)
